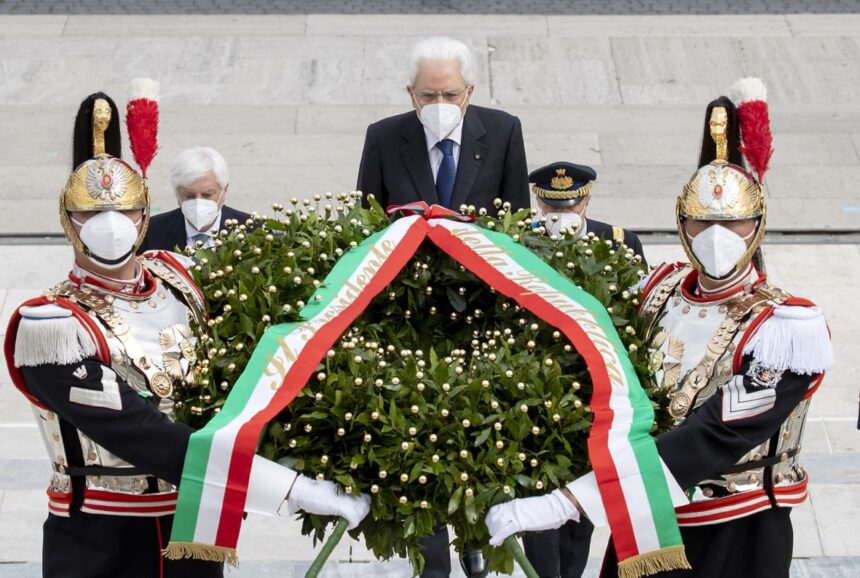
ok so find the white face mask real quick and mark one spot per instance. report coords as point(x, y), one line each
point(440, 118)
point(570, 221)
point(719, 250)
point(109, 237)
point(201, 213)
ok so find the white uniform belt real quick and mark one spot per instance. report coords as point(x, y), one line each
point(740, 505)
point(115, 503)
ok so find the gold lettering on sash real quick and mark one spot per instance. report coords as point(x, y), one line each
point(533, 285)
point(352, 288)
point(287, 351)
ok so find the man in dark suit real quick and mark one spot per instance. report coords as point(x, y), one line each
point(445, 151)
point(200, 179)
point(451, 153)
point(563, 191)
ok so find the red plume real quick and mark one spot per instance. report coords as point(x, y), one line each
point(141, 119)
point(750, 97)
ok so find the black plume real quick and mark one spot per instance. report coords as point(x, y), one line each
point(82, 142)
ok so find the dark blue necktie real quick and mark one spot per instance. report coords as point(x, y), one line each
point(447, 172)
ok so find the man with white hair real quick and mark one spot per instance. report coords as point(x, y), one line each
point(446, 151)
point(200, 178)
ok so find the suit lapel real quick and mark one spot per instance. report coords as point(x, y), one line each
point(473, 151)
point(226, 213)
point(417, 161)
point(176, 232)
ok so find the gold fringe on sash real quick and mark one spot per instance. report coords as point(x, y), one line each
point(663, 560)
point(205, 552)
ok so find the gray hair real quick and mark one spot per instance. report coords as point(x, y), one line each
point(444, 49)
point(195, 163)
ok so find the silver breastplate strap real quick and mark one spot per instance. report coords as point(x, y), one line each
point(159, 381)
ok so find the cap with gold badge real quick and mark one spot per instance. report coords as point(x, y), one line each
point(562, 184)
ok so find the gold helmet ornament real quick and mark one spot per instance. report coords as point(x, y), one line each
point(105, 183)
point(722, 189)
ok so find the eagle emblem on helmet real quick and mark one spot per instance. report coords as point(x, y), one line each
point(719, 190)
point(105, 180)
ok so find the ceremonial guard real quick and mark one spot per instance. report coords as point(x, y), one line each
point(739, 359)
point(99, 356)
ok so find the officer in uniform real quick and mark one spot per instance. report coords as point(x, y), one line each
point(739, 359)
point(563, 191)
point(99, 356)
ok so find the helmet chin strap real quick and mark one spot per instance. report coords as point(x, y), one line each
point(85, 272)
point(109, 263)
point(743, 277)
point(725, 279)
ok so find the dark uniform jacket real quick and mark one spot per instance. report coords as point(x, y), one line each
point(611, 233)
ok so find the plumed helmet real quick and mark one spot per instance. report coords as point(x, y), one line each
point(722, 189)
point(104, 182)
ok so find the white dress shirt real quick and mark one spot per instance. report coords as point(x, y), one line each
point(436, 155)
point(213, 230)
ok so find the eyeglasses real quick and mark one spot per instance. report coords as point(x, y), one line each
point(429, 96)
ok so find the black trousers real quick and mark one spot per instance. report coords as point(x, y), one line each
point(96, 546)
point(562, 552)
point(759, 545)
point(437, 554)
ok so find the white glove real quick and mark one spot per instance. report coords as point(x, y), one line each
point(321, 497)
point(529, 515)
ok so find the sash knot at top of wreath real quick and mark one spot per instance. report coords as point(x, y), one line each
point(427, 211)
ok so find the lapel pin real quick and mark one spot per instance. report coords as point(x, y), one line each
point(477, 157)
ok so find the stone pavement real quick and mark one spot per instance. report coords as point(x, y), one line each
point(429, 7)
point(287, 99)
